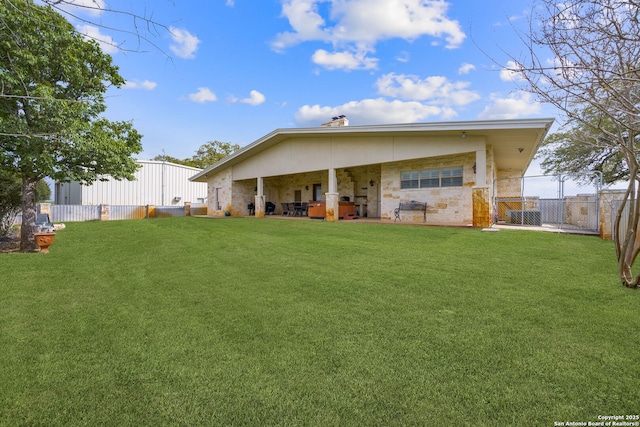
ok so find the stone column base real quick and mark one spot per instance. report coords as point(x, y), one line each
point(259, 206)
point(332, 207)
point(481, 207)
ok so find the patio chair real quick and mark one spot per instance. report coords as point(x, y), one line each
point(302, 209)
point(285, 209)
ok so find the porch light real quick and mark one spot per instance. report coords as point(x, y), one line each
point(371, 183)
point(306, 187)
point(463, 135)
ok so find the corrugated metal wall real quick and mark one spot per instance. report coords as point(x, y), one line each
point(70, 213)
point(78, 213)
point(118, 212)
point(157, 183)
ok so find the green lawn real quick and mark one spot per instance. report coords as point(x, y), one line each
point(193, 321)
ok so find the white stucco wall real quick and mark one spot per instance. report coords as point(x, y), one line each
point(297, 155)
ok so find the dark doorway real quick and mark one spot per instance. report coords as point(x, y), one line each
point(317, 192)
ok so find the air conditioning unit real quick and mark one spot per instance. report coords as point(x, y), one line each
point(524, 217)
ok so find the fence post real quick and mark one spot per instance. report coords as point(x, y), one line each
point(187, 208)
point(104, 213)
point(45, 208)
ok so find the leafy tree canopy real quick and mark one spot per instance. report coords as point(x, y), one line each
point(52, 84)
point(585, 152)
point(207, 154)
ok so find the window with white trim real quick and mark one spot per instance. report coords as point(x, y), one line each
point(431, 178)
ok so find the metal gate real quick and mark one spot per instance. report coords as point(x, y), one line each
point(557, 201)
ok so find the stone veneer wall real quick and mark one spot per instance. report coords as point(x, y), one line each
point(508, 183)
point(446, 206)
point(580, 209)
point(222, 181)
point(285, 187)
point(243, 193)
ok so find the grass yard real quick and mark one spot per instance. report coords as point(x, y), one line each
point(193, 321)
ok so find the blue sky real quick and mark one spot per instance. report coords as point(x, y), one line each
point(234, 70)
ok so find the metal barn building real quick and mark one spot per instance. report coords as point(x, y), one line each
point(157, 183)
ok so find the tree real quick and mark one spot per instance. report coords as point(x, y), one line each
point(52, 86)
point(43, 191)
point(567, 152)
point(212, 152)
point(165, 158)
point(9, 200)
point(207, 154)
point(142, 26)
point(583, 57)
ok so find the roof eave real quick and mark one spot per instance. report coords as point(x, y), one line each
point(455, 126)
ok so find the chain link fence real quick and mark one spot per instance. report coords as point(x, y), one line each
point(547, 201)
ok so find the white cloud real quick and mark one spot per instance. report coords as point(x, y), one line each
point(90, 7)
point(359, 25)
point(184, 43)
point(466, 68)
point(255, 98)
point(306, 22)
point(344, 60)
point(511, 72)
point(563, 68)
point(144, 85)
point(230, 3)
point(106, 42)
point(203, 95)
point(435, 89)
point(373, 111)
point(519, 104)
point(403, 57)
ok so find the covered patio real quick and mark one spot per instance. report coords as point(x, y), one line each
point(368, 171)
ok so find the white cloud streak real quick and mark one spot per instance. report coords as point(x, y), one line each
point(203, 95)
point(255, 98)
point(466, 68)
point(356, 26)
point(372, 111)
point(511, 72)
point(516, 105)
point(344, 60)
point(184, 44)
point(89, 7)
point(435, 89)
point(106, 42)
point(143, 85)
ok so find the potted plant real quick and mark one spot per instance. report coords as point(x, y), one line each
point(44, 238)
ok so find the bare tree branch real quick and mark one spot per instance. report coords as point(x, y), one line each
point(584, 55)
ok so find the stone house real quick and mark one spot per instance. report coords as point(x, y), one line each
point(450, 166)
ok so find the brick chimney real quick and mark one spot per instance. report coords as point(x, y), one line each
point(340, 120)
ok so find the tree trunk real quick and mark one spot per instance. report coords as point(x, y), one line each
point(27, 242)
point(628, 246)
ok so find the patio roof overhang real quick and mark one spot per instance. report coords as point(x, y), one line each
point(514, 142)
